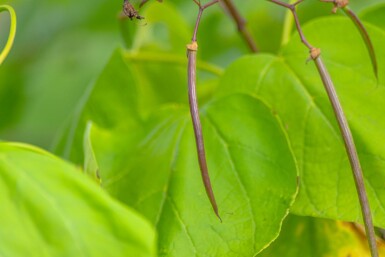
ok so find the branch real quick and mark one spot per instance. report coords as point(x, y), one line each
point(194, 111)
point(241, 24)
point(12, 32)
point(344, 129)
point(343, 4)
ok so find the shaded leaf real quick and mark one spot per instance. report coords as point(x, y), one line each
point(310, 237)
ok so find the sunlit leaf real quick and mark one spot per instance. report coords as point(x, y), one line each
point(295, 91)
point(153, 167)
point(48, 208)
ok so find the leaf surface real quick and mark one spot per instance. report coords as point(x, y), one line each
point(295, 91)
point(152, 165)
point(50, 209)
point(374, 14)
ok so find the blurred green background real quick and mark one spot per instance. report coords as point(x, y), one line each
point(61, 47)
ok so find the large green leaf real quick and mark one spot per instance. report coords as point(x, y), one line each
point(254, 180)
point(294, 90)
point(152, 165)
point(311, 237)
point(375, 15)
point(48, 208)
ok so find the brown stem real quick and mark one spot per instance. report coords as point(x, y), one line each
point(194, 110)
point(364, 34)
point(241, 25)
point(343, 4)
point(345, 132)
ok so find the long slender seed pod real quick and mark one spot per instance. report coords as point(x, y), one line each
point(364, 34)
point(194, 111)
point(344, 129)
point(343, 4)
point(352, 153)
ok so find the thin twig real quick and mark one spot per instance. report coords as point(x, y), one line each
point(241, 25)
point(343, 4)
point(364, 34)
point(194, 111)
point(345, 132)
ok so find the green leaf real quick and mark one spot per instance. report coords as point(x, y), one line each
point(104, 106)
point(254, 181)
point(50, 209)
point(295, 91)
point(310, 237)
point(166, 30)
point(131, 86)
point(374, 14)
point(152, 164)
point(91, 166)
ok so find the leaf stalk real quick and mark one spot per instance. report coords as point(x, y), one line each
point(241, 25)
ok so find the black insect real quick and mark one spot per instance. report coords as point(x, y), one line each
point(130, 11)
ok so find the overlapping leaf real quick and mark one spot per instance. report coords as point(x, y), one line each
point(48, 208)
point(295, 92)
point(152, 165)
